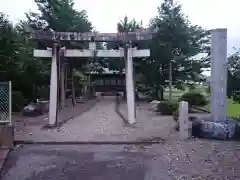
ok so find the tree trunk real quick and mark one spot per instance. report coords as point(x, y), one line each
point(155, 94)
point(161, 93)
point(170, 81)
point(34, 92)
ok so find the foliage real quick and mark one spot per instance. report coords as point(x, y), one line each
point(30, 75)
point(233, 74)
point(236, 96)
point(18, 101)
point(17, 63)
point(43, 93)
point(167, 107)
point(178, 42)
point(192, 87)
point(208, 89)
point(124, 25)
point(194, 99)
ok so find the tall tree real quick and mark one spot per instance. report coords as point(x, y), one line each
point(124, 25)
point(233, 73)
point(60, 15)
point(177, 41)
point(17, 62)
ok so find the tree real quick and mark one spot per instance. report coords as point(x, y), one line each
point(124, 25)
point(17, 62)
point(176, 43)
point(9, 67)
point(233, 74)
point(60, 16)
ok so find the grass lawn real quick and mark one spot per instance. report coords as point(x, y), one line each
point(233, 108)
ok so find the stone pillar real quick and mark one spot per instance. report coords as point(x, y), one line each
point(130, 86)
point(219, 74)
point(53, 88)
point(183, 120)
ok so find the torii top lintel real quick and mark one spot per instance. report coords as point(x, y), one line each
point(91, 36)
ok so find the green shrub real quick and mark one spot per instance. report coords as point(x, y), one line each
point(194, 99)
point(208, 89)
point(167, 107)
point(18, 101)
point(192, 87)
point(43, 93)
point(236, 96)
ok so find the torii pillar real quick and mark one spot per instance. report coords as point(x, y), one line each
point(130, 90)
point(53, 88)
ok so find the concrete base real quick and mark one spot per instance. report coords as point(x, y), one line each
point(206, 128)
point(6, 136)
point(50, 126)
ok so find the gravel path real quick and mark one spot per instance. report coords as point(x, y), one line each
point(98, 124)
point(173, 159)
point(103, 124)
point(192, 160)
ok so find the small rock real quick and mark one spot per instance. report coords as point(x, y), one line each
point(30, 133)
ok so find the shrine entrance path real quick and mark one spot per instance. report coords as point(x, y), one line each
point(173, 159)
point(198, 159)
point(103, 124)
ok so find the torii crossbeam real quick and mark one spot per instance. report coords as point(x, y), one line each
point(90, 36)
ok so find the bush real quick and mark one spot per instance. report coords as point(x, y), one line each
point(18, 101)
point(194, 99)
point(43, 93)
point(236, 96)
point(208, 89)
point(167, 107)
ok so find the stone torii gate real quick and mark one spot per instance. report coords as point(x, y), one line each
point(127, 52)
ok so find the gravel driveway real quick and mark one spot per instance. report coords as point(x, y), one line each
point(170, 161)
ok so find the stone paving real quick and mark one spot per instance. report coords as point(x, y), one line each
point(102, 123)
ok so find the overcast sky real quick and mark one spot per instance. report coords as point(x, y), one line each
point(104, 14)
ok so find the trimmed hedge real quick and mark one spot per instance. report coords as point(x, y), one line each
point(167, 107)
point(194, 99)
